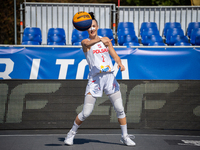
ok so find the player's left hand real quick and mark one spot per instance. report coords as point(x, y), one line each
point(121, 67)
point(106, 41)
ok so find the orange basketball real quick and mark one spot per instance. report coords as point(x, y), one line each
point(82, 21)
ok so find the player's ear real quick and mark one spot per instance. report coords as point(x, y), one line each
point(97, 25)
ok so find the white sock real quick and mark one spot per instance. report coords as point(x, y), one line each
point(75, 127)
point(124, 130)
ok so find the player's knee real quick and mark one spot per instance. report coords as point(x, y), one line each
point(121, 114)
point(118, 106)
point(87, 110)
point(87, 107)
point(80, 116)
point(117, 103)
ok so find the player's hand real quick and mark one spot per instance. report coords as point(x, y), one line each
point(106, 41)
point(121, 67)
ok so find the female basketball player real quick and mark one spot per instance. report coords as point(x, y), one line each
point(101, 78)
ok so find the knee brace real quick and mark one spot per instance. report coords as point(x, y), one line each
point(87, 107)
point(117, 104)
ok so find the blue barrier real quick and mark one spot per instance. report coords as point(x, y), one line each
point(69, 63)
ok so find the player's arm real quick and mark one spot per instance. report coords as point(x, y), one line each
point(113, 53)
point(86, 44)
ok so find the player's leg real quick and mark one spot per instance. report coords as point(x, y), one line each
point(88, 106)
point(92, 91)
point(116, 100)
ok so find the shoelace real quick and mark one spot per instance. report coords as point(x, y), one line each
point(71, 133)
point(130, 136)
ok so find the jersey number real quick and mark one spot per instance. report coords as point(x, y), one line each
point(103, 58)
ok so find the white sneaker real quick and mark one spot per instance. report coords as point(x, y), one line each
point(127, 140)
point(69, 139)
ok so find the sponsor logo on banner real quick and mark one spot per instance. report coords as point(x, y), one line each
point(34, 69)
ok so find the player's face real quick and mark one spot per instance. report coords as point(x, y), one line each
point(93, 29)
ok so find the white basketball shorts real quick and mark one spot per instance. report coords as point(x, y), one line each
point(102, 82)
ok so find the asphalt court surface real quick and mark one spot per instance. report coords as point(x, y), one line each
point(99, 140)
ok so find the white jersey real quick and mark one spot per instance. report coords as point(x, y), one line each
point(98, 59)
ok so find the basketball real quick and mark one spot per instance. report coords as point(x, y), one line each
point(82, 21)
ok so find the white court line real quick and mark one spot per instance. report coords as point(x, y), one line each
point(150, 135)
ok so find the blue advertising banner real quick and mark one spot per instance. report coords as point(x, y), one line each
point(70, 63)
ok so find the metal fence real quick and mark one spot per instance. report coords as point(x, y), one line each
point(53, 15)
point(160, 15)
point(59, 15)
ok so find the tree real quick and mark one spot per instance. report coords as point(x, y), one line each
point(155, 2)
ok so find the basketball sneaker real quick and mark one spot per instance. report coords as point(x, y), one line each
point(69, 139)
point(127, 140)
